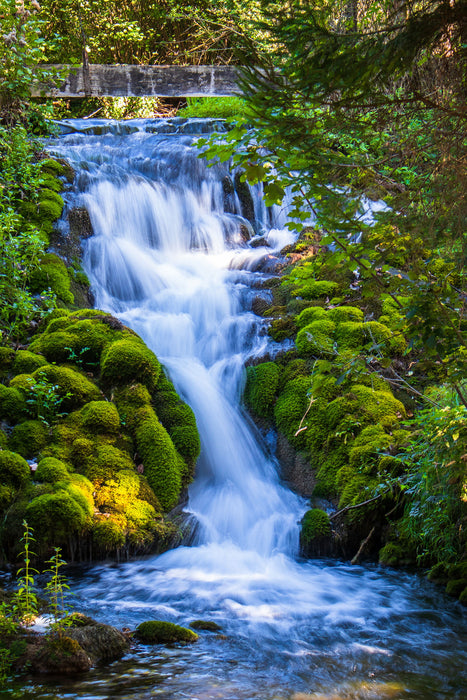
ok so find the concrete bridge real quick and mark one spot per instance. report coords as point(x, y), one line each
point(93, 80)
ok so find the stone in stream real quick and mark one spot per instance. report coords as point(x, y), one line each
point(161, 632)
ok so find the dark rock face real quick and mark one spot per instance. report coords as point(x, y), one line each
point(244, 195)
point(80, 223)
point(296, 470)
point(100, 642)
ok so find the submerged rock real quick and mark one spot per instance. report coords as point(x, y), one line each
point(206, 625)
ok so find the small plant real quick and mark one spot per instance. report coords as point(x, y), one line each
point(25, 599)
point(58, 590)
point(43, 400)
point(76, 357)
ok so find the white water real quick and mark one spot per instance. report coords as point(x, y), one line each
point(168, 258)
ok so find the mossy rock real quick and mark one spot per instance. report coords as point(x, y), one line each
point(310, 314)
point(160, 458)
point(388, 341)
point(102, 643)
point(439, 572)
point(317, 338)
point(315, 523)
point(99, 462)
point(282, 328)
point(392, 555)
point(56, 516)
point(350, 336)
point(458, 570)
point(52, 274)
point(14, 469)
point(49, 181)
point(29, 438)
point(205, 625)
point(159, 632)
point(109, 532)
point(187, 443)
point(463, 597)
point(378, 405)
point(7, 356)
point(100, 417)
point(141, 522)
point(129, 360)
point(73, 386)
point(12, 404)
point(117, 491)
point(365, 449)
point(27, 362)
point(51, 470)
point(290, 407)
point(343, 314)
point(456, 586)
point(260, 388)
point(314, 289)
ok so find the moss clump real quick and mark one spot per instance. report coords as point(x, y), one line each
point(207, 625)
point(160, 459)
point(317, 338)
point(100, 417)
point(310, 314)
point(14, 470)
point(99, 462)
point(117, 491)
point(108, 532)
point(315, 523)
point(27, 362)
point(128, 360)
point(56, 516)
point(29, 438)
point(379, 406)
point(290, 407)
point(73, 386)
point(456, 586)
point(392, 555)
point(388, 341)
point(260, 389)
point(349, 336)
point(463, 597)
point(52, 274)
point(12, 404)
point(141, 518)
point(51, 470)
point(159, 632)
point(7, 356)
point(342, 314)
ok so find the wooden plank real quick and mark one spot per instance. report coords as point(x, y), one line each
point(139, 81)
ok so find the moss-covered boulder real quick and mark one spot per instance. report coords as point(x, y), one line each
point(102, 643)
point(315, 523)
point(130, 360)
point(12, 404)
point(14, 469)
point(27, 362)
point(100, 417)
point(52, 274)
point(260, 389)
point(56, 516)
point(29, 438)
point(51, 470)
point(159, 632)
point(72, 386)
point(163, 466)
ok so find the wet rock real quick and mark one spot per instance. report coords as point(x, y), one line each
point(100, 642)
point(259, 306)
point(244, 195)
point(296, 470)
point(58, 655)
point(259, 242)
point(79, 222)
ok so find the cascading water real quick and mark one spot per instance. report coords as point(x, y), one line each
point(169, 256)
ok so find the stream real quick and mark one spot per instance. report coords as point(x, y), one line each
point(179, 257)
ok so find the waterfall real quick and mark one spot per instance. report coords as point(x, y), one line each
point(179, 257)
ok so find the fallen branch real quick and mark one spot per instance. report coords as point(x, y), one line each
point(362, 547)
point(357, 505)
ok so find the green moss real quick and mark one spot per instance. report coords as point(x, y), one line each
point(187, 442)
point(463, 597)
point(14, 470)
point(260, 388)
point(343, 314)
point(129, 360)
point(160, 459)
point(359, 489)
point(7, 356)
point(315, 523)
point(141, 518)
point(53, 167)
point(378, 405)
point(206, 625)
point(117, 491)
point(392, 554)
point(29, 438)
point(329, 470)
point(22, 382)
point(73, 386)
point(317, 338)
point(3, 440)
point(102, 463)
point(388, 341)
point(310, 314)
point(51, 470)
point(80, 496)
point(27, 362)
point(456, 586)
point(50, 182)
point(52, 274)
point(364, 451)
point(439, 572)
point(12, 404)
point(158, 632)
point(100, 417)
point(314, 289)
point(109, 532)
point(56, 516)
point(290, 407)
point(349, 336)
